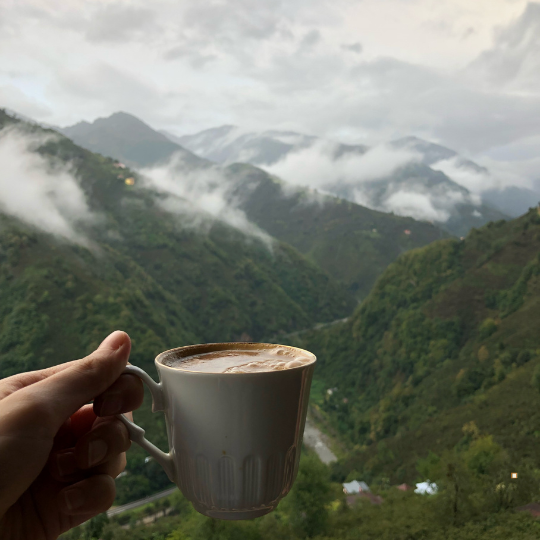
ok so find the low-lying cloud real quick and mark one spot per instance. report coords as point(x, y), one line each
point(369, 179)
point(200, 197)
point(37, 191)
point(495, 175)
point(317, 166)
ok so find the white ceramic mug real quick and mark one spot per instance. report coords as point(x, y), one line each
point(234, 438)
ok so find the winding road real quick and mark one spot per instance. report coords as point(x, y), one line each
point(135, 504)
point(315, 439)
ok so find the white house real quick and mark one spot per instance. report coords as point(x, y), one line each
point(426, 488)
point(355, 487)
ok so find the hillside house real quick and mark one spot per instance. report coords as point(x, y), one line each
point(532, 508)
point(426, 488)
point(354, 487)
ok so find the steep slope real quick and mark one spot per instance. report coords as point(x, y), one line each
point(449, 335)
point(417, 190)
point(128, 139)
point(352, 243)
point(222, 285)
point(513, 201)
point(432, 153)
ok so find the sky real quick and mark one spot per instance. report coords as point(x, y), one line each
point(461, 73)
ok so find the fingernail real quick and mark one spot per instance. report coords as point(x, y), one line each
point(97, 450)
point(114, 341)
point(74, 498)
point(66, 463)
point(111, 405)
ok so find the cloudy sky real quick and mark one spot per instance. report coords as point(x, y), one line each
point(460, 72)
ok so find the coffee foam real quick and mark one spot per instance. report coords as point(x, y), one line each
point(241, 361)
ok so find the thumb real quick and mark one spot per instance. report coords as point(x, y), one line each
point(59, 396)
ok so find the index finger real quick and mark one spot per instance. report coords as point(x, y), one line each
point(42, 407)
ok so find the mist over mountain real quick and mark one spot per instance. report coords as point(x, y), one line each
point(402, 176)
point(231, 144)
point(353, 246)
point(218, 280)
point(512, 199)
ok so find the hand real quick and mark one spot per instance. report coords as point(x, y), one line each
point(58, 455)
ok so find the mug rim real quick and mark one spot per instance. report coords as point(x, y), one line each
point(223, 346)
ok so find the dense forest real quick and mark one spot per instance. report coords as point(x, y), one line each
point(466, 508)
point(449, 335)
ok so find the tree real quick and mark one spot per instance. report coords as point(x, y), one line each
point(306, 506)
point(94, 528)
point(535, 380)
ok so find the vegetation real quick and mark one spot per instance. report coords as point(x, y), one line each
point(435, 376)
point(352, 243)
point(474, 502)
point(448, 335)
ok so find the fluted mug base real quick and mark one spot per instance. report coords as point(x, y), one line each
point(232, 514)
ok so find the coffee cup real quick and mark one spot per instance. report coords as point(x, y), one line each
point(234, 438)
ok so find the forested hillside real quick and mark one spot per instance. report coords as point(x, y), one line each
point(140, 269)
point(448, 336)
point(351, 242)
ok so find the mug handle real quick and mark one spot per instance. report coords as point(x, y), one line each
point(136, 433)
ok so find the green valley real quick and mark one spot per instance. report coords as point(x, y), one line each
point(352, 243)
point(447, 338)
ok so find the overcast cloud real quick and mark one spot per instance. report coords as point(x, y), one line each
point(465, 74)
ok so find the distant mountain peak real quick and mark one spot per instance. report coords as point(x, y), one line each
point(126, 137)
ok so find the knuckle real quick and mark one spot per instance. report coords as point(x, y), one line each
point(87, 367)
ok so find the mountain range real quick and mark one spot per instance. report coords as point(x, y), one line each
point(419, 175)
point(210, 283)
point(414, 187)
point(441, 355)
point(351, 242)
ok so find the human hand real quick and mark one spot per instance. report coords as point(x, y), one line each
point(58, 455)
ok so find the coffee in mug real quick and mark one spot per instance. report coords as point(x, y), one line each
point(241, 361)
point(235, 416)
